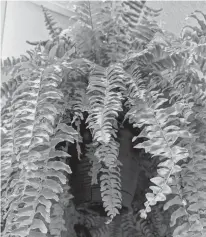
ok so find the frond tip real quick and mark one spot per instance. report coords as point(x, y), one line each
point(110, 179)
point(54, 31)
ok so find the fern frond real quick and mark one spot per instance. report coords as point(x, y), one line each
point(199, 31)
point(71, 215)
point(162, 137)
point(114, 227)
point(190, 198)
point(177, 88)
point(105, 86)
point(61, 44)
point(91, 13)
point(101, 231)
point(145, 228)
point(104, 26)
point(157, 58)
point(191, 88)
point(157, 218)
point(91, 219)
point(139, 19)
point(22, 121)
point(135, 86)
point(188, 219)
point(196, 36)
point(50, 23)
point(58, 222)
point(181, 219)
point(7, 153)
point(129, 226)
point(93, 222)
point(110, 181)
point(34, 121)
point(10, 65)
point(8, 88)
point(91, 17)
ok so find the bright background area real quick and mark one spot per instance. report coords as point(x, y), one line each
point(24, 20)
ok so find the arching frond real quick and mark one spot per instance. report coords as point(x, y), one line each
point(54, 31)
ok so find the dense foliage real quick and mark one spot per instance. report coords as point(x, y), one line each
point(113, 64)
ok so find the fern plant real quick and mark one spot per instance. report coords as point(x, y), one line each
point(114, 64)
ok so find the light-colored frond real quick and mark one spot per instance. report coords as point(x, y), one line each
point(105, 96)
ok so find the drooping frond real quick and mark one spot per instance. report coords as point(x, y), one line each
point(16, 71)
point(110, 180)
point(161, 141)
point(58, 225)
point(34, 135)
point(181, 90)
point(105, 86)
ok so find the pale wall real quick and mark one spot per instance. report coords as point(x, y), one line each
point(25, 21)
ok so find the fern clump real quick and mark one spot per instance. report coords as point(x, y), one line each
point(113, 66)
